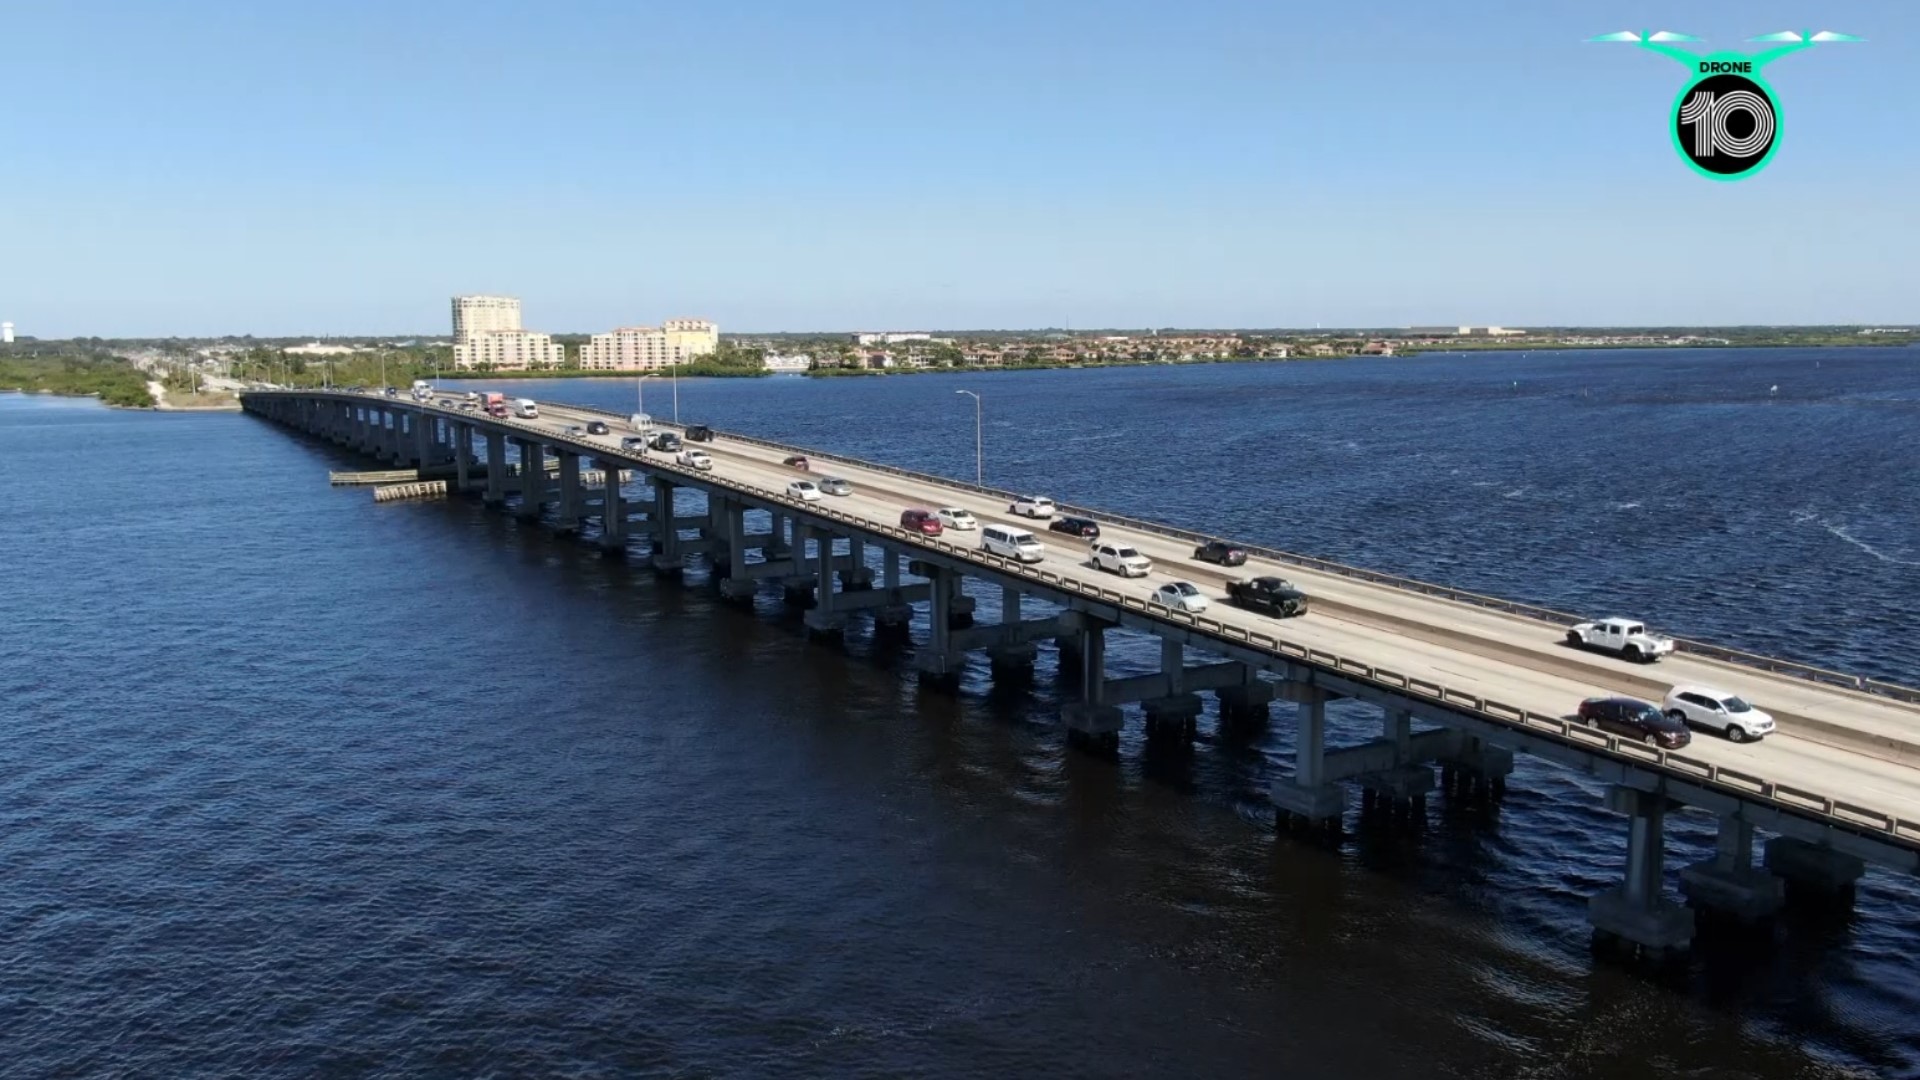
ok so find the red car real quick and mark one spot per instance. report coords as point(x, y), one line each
point(920, 521)
point(797, 461)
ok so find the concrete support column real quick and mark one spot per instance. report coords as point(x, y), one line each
point(857, 575)
point(1476, 770)
point(960, 606)
point(1090, 722)
point(461, 435)
point(778, 547)
point(613, 508)
point(1177, 715)
point(1814, 874)
point(821, 619)
point(1729, 882)
point(738, 585)
point(496, 468)
point(1402, 787)
point(568, 517)
point(1635, 913)
point(533, 477)
point(937, 662)
point(894, 619)
point(666, 538)
point(1011, 661)
point(1245, 707)
point(425, 440)
point(1307, 796)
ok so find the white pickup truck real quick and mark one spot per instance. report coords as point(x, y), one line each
point(1622, 636)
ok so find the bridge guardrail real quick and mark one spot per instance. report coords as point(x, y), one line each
point(1800, 801)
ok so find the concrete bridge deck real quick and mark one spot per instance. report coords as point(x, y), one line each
point(1838, 778)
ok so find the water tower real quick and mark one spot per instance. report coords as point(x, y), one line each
point(6, 333)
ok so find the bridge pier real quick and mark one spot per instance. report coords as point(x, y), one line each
point(567, 516)
point(1246, 706)
point(938, 662)
point(1091, 723)
point(533, 477)
point(1815, 875)
point(1729, 882)
point(1635, 913)
point(496, 469)
point(822, 620)
point(461, 436)
point(1176, 713)
point(1401, 787)
point(738, 585)
point(667, 557)
point(894, 619)
point(1307, 797)
point(613, 507)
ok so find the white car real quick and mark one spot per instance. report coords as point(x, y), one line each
point(1179, 596)
point(1627, 637)
point(1726, 713)
point(952, 517)
point(695, 459)
point(1121, 559)
point(1033, 506)
point(804, 491)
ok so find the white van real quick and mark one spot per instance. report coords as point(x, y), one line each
point(526, 409)
point(1011, 543)
point(640, 422)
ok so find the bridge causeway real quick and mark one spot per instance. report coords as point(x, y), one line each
point(1462, 683)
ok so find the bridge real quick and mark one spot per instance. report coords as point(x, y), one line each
point(1462, 683)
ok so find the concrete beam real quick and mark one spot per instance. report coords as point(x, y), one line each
point(1166, 684)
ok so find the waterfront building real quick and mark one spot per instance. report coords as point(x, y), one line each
point(648, 348)
point(474, 315)
point(509, 350)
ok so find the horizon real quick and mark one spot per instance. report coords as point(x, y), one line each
point(290, 173)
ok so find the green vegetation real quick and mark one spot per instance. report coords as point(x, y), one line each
point(74, 370)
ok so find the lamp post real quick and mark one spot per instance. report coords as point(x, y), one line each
point(978, 467)
point(640, 394)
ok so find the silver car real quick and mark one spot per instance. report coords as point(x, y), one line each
point(833, 485)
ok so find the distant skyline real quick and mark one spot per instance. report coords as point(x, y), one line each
point(201, 169)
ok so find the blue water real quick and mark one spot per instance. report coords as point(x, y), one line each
point(298, 784)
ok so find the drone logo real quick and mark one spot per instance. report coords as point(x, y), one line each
point(1725, 121)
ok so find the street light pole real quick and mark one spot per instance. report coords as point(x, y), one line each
point(640, 395)
point(979, 469)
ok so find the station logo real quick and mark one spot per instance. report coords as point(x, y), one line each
point(1726, 120)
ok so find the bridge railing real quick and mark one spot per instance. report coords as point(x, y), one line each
point(1799, 801)
point(1560, 619)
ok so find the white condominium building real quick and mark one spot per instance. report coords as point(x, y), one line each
point(647, 348)
point(509, 350)
point(473, 315)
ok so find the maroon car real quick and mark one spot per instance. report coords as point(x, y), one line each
point(920, 521)
point(797, 461)
point(1221, 552)
point(1635, 719)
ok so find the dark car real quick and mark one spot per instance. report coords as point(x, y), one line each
point(1635, 719)
point(1085, 528)
point(1221, 552)
point(596, 427)
point(796, 461)
point(1268, 595)
point(699, 433)
point(665, 441)
point(920, 521)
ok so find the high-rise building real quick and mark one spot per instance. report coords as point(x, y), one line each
point(647, 348)
point(483, 314)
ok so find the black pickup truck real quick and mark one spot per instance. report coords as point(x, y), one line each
point(1269, 595)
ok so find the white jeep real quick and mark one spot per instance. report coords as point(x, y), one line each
point(1623, 637)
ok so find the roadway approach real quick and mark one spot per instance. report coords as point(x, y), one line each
point(1462, 682)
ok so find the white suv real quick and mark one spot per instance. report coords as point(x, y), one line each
point(1121, 559)
point(1726, 713)
point(1033, 506)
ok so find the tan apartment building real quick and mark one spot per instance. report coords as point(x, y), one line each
point(509, 350)
point(647, 348)
point(473, 315)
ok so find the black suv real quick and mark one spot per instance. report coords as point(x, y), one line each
point(699, 433)
point(1635, 719)
point(1219, 551)
point(666, 441)
point(1085, 528)
point(596, 427)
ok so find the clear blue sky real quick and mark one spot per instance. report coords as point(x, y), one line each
point(199, 168)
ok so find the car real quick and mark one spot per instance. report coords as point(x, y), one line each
point(699, 433)
point(795, 461)
point(1729, 714)
point(1635, 719)
point(695, 459)
point(575, 429)
point(596, 427)
point(1121, 559)
point(1011, 542)
point(1624, 637)
point(1268, 595)
point(633, 442)
point(804, 490)
point(1179, 596)
point(833, 485)
point(1221, 553)
point(1033, 506)
point(446, 403)
point(924, 522)
point(469, 406)
point(664, 441)
point(392, 391)
point(1084, 528)
point(955, 518)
